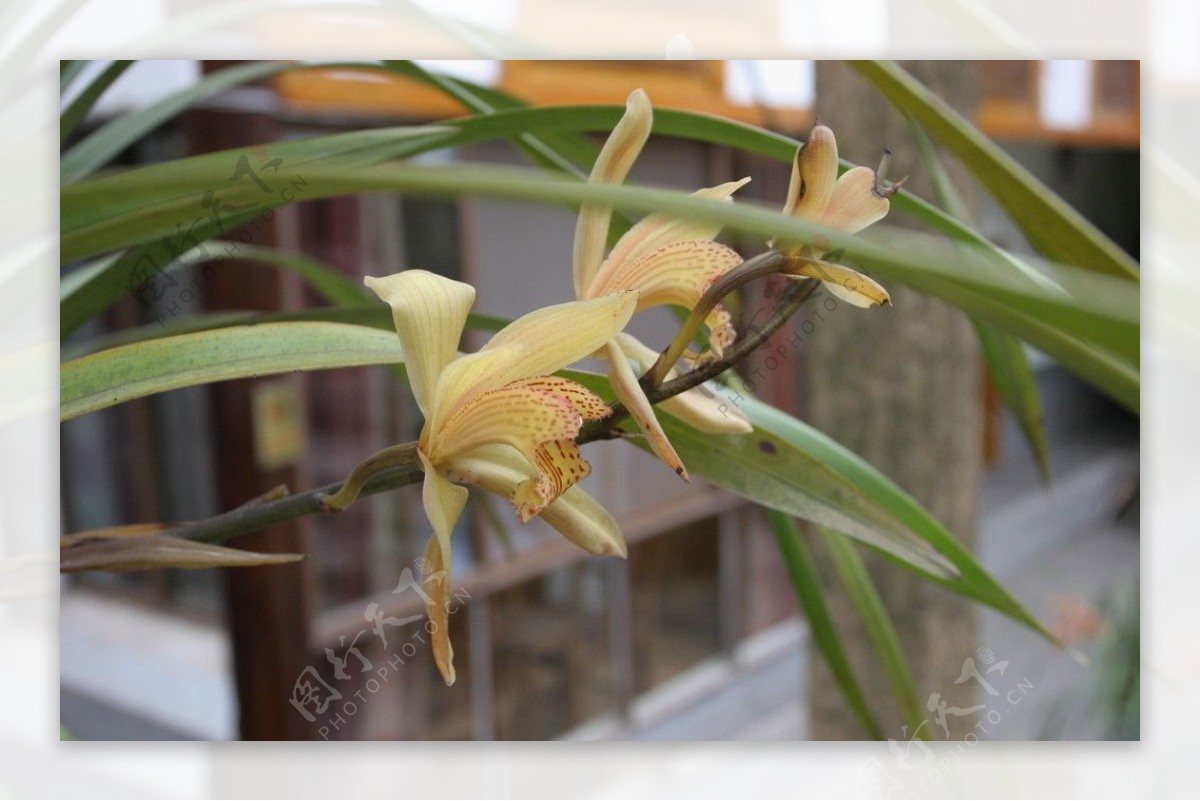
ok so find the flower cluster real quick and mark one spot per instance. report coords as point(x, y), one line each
point(502, 420)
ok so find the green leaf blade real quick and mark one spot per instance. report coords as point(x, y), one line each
point(1052, 226)
point(972, 581)
point(877, 624)
point(109, 377)
point(802, 572)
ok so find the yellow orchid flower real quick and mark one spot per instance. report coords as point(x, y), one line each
point(667, 260)
point(498, 418)
point(849, 203)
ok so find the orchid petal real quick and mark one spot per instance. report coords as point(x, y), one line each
point(814, 174)
point(520, 417)
point(429, 312)
point(625, 384)
point(539, 417)
point(537, 344)
point(560, 466)
point(679, 274)
point(849, 285)
point(575, 515)
point(700, 407)
point(612, 165)
point(443, 501)
point(590, 405)
point(658, 230)
point(855, 203)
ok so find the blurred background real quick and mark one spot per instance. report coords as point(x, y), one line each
point(697, 635)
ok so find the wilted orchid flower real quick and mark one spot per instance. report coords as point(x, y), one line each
point(667, 260)
point(849, 203)
point(498, 418)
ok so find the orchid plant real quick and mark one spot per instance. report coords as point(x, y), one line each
point(505, 418)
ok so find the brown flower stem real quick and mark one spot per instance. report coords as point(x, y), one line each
point(764, 264)
point(789, 304)
point(400, 466)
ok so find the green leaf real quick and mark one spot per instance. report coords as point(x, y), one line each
point(81, 105)
point(154, 552)
point(105, 143)
point(322, 277)
point(172, 198)
point(93, 287)
point(371, 315)
point(1008, 365)
point(1051, 225)
point(878, 625)
point(773, 472)
point(564, 153)
point(114, 376)
point(1093, 318)
point(1004, 355)
point(68, 70)
point(972, 581)
point(1093, 307)
point(806, 581)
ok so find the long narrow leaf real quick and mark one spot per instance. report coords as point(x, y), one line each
point(372, 315)
point(186, 224)
point(114, 376)
point(1055, 229)
point(1008, 365)
point(93, 287)
point(1099, 310)
point(154, 552)
point(806, 582)
point(1096, 308)
point(68, 69)
point(548, 154)
point(181, 194)
point(1004, 355)
point(769, 470)
point(105, 143)
point(1113, 373)
point(82, 104)
point(972, 581)
point(877, 624)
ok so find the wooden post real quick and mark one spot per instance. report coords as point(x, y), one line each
point(900, 386)
point(266, 607)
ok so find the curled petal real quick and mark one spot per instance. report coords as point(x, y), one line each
point(429, 312)
point(702, 407)
point(560, 466)
point(612, 165)
point(658, 230)
point(443, 501)
point(855, 203)
point(538, 417)
point(814, 173)
point(626, 385)
point(679, 274)
point(537, 344)
point(849, 285)
point(575, 514)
